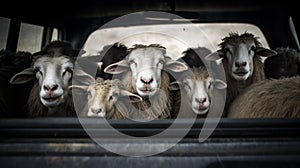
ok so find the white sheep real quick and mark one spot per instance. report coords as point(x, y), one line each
point(196, 92)
point(241, 58)
point(53, 71)
point(106, 99)
point(143, 72)
point(277, 98)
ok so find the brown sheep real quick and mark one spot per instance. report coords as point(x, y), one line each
point(268, 99)
point(107, 99)
point(241, 58)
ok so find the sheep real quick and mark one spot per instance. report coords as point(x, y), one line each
point(52, 70)
point(241, 58)
point(13, 106)
point(285, 64)
point(196, 92)
point(111, 53)
point(143, 72)
point(106, 99)
point(274, 98)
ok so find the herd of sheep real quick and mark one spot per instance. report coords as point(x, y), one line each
point(143, 83)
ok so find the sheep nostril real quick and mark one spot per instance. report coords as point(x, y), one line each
point(147, 81)
point(96, 110)
point(54, 87)
point(50, 88)
point(46, 87)
point(240, 64)
point(201, 101)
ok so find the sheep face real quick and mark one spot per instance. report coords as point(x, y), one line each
point(103, 96)
point(101, 99)
point(239, 52)
point(198, 94)
point(54, 76)
point(146, 65)
point(240, 59)
point(198, 91)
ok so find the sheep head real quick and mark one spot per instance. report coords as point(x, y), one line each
point(197, 88)
point(146, 64)
point(103, 95)
point(53, 75)
point(239, 51)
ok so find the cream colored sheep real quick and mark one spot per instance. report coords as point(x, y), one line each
point(196, 93)
point(107, 99)
point(143, 72)
point(268, 99)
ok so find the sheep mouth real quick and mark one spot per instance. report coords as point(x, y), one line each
point(240, 73)
point(146, 90)
point(52, 99)
point(201, 110)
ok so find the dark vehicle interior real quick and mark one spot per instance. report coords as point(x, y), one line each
point(66, 141)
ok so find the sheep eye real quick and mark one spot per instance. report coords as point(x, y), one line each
point(186, 85)
point(36, 69)
point(67, 70)
point(131, 62)
point(113, 96)
point(227, 50)
point(89, 93)
point(252, 48)
point(209, 84)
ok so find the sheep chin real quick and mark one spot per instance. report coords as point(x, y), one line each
point(200, 111)
point(52, 102)
point(146, 93)
point(241, 76)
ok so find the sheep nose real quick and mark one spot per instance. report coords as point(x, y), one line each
point(240, 64)
point(50, 87)
point(96, 110)
point(201, 101)
point(147, 81)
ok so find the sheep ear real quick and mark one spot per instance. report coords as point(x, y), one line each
point(219, 84)
point(117, 68)
point(79, 89)
point(22, 77)
point(82, 78)
point(132, 97)
point(175, 66)
point(214, 56)
point(174, 85)
point(264, 52)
